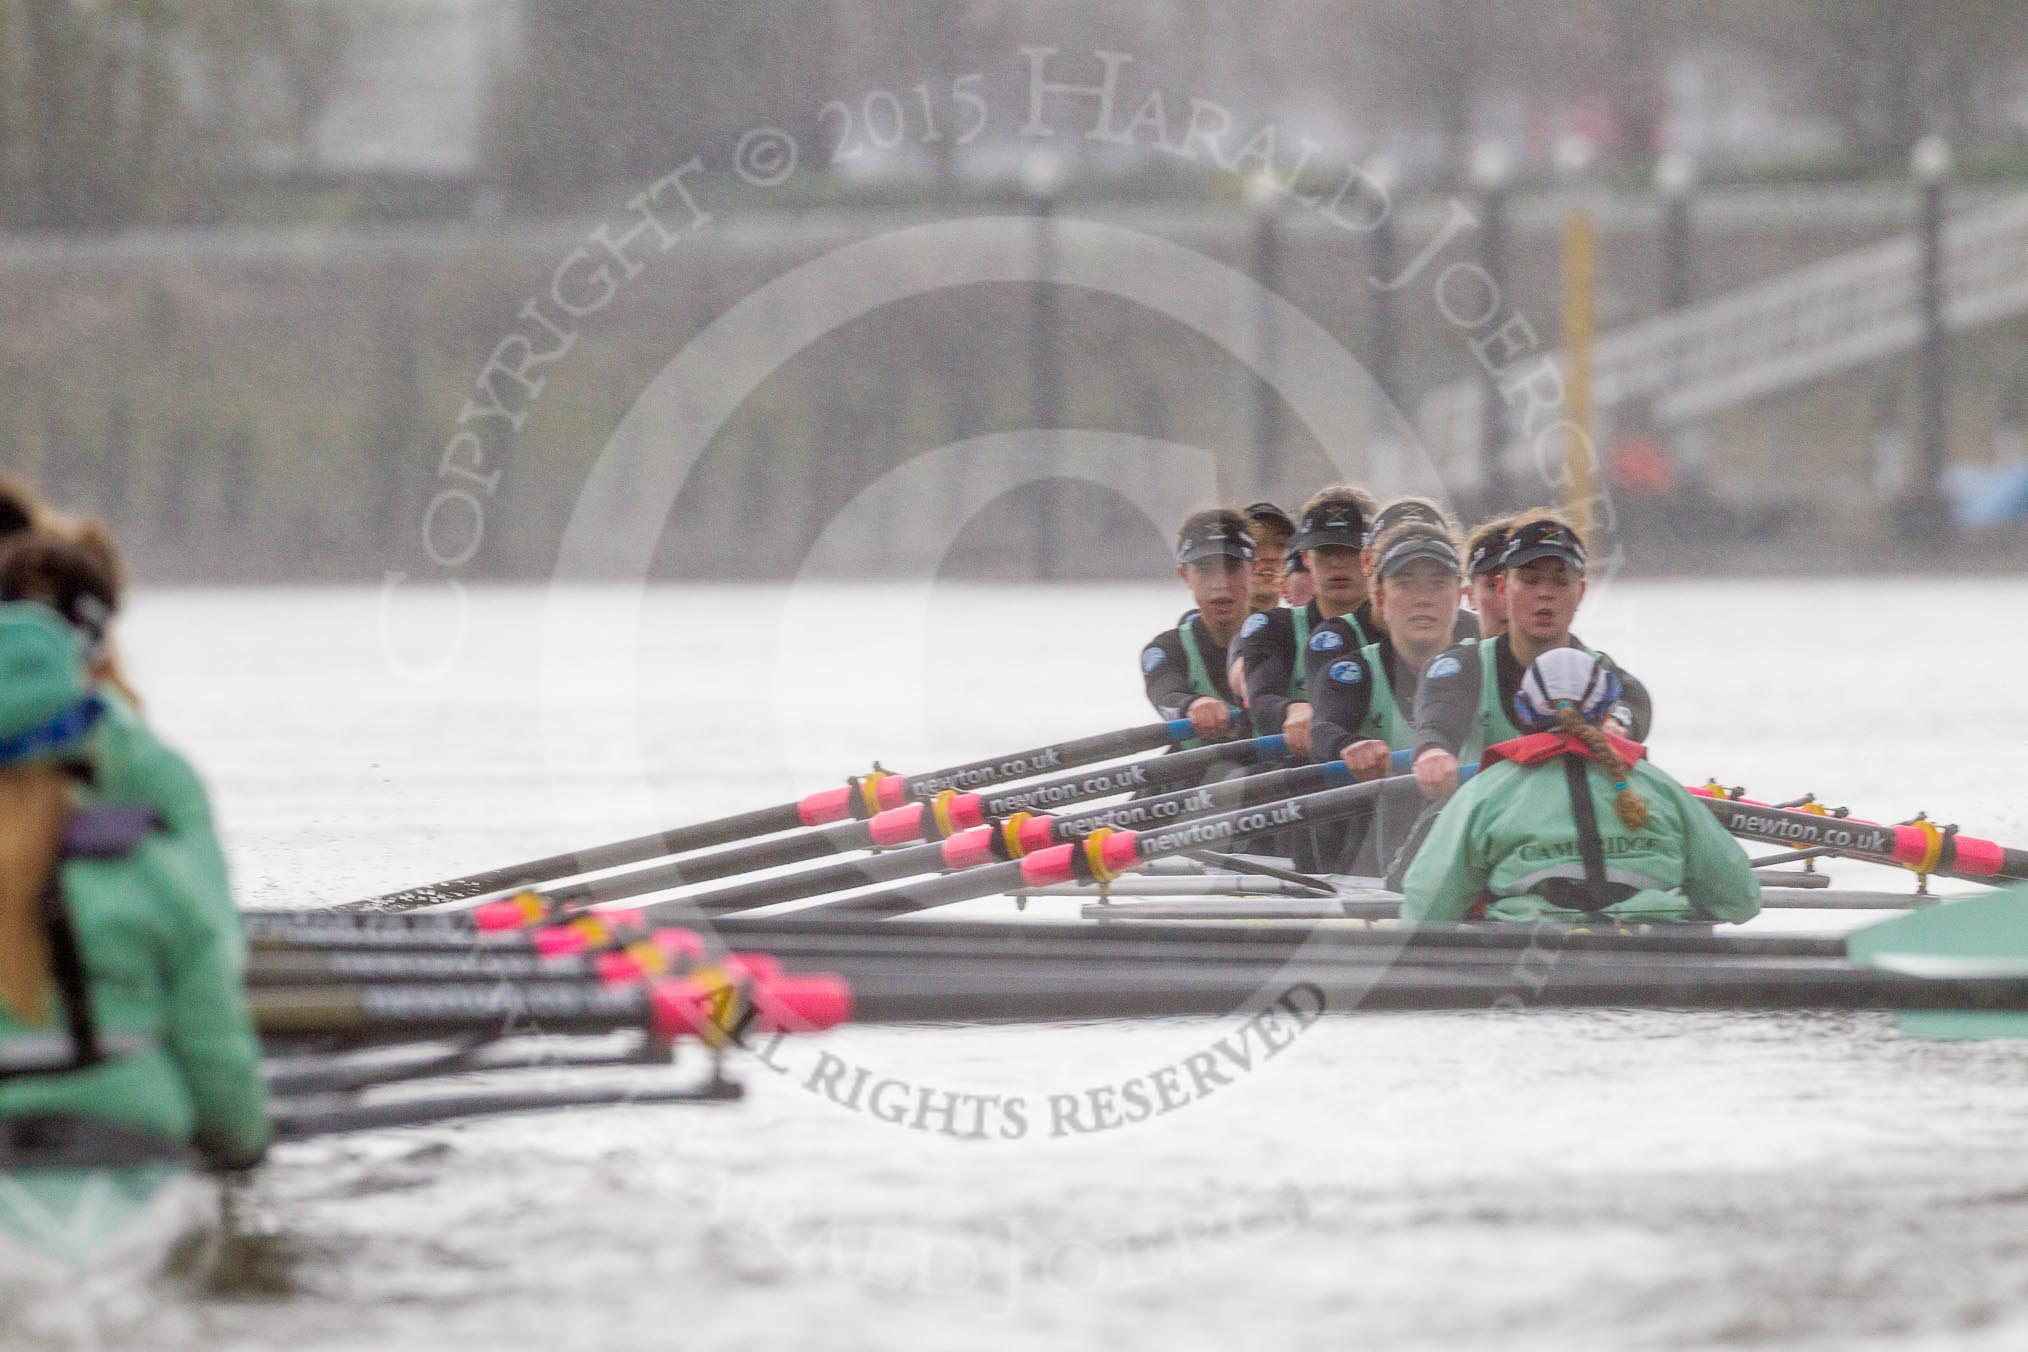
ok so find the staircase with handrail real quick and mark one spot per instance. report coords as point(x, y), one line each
point(1803, 326)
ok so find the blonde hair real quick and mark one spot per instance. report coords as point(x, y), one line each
point(34, 805)
point(1485, 530)
point(1633, 808)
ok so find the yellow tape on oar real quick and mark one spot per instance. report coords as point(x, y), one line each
point(532, 906)
point(940, 813)
point(869, 791)
point(1094, 848)
point(1010, 833)
point(720, 999)
point(1933, 839)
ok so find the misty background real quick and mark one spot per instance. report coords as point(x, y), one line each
point(256, 258)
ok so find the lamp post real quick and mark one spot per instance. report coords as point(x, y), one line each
point(1263, 198)
point(1042, 180)
point(1491, 169)
point(1675, 183)
point(1675, 178)
point(1384, 360)
point(1922, 514)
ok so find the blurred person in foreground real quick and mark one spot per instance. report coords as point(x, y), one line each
point(78, 577)
point(123, 1016)
point(76, 571)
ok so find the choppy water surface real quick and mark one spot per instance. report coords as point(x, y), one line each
point(1610, 1180)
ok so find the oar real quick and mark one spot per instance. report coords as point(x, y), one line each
point(1299, 994)
point(294, 1124)
point(1107, 853)
point(914, 821)
point(970, 848)
point(860, 796)
point(668, 953)
point(1923, 846)
point(1008, 836)
point(295, 1074)
point(378, 1012)
point(1981, 937)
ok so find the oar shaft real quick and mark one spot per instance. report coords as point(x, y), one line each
point(859, 797)
point(981, 844)
point(415, 1010)
point(744, 826)
point(302, 1124)
point(909, 822)
point(273, 967)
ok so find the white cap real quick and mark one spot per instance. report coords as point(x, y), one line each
point(1565, 676)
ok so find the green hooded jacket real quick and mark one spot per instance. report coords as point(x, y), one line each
point(1511, 827)
point(160, 941)
point(134, 765)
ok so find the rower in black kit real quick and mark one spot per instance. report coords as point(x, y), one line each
point(1330, 537)
point(1271, 643)
point(1185, 668)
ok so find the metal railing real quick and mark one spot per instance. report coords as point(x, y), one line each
point(1808, 324)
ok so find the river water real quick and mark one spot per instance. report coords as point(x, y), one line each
point(1609, 1180)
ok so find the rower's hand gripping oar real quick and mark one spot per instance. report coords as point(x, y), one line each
point(861, 796)
point(1005, 836)
point(1108, 853)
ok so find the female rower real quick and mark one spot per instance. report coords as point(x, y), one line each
point(1184, 668)
point(1298, 587)
point(1272, 643)
point(123, 1020)
point(1400, 512)
point(1364, 697)
point(1270, 529)
point(79, 578)
point(78, 574)
point(1465, 701)
point(1569, 821)
point(1483, 549)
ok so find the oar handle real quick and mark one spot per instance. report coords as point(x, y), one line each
point(1105, 853)
point(1924, 848)
point(867, 795)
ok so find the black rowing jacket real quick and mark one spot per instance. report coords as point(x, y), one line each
point(1173, 682)
point(1274, 661)
point(1453, 699)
